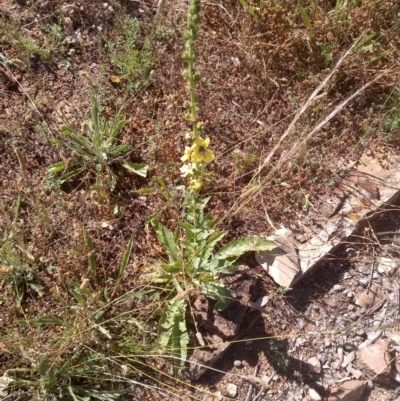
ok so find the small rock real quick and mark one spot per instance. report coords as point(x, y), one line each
point(266, 379)
point(314, 395)
point(351, 307)
point(348, 391)
point(314, 365)
point(237, 364)
point(348, 346)
point(369, 299)
point(364, 282)
point(355, 372)
point(375, 360)
point(340, 353)
point(337, 287)
point(348, 358)
point(386, 265)
point(231, 390)
point(360, 333)
point(370, 384)
point(335, 365)
point(350, 294)
point(281, 263)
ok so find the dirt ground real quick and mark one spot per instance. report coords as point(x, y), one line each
point(258, 69)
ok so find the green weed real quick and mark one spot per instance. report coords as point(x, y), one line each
point(95, 149)
point(130, 63)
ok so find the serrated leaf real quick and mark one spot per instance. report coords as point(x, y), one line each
point(216, 291)
point(172, 268)
point(222, 266)
point(172, 331)
point(208, 249)
point(240, 246)
point(166, 239)
point(137, 168)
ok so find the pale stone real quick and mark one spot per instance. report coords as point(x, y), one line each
point(375, 360)
point(348, 391)
point(231, 390)
point(368, 299)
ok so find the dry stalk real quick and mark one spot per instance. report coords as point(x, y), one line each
point(252, 188)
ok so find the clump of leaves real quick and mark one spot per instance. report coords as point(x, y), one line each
point(193, 267)
point(95, 149)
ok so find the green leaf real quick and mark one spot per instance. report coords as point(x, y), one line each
point(143, 191)
point(240, 246)
point(56, 168)
point(140, 295)
point(166, 238)
point(118, 123)
point(104, 331)
point(172, 268)
point(223, 266)
point(124, 263)
point(306, 20)
point(137, 168)
point(43, 366)
point(216, 291)
point(78, 297)
point(92, 257)
point(166, 193)
point(69, 175)
point(172, 330)
point(46, 321)
point(208, 249)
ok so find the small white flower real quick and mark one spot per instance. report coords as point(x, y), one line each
point(187, 169)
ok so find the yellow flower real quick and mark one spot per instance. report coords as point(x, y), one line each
point(200, 152)
point(187, 154)
point(196, 185)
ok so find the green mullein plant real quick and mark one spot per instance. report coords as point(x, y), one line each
point(95, 149)
point(194, 265)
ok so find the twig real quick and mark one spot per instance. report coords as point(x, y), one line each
point(372, 269)
point(251, 388)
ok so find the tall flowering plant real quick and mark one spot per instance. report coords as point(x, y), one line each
point(192, 265)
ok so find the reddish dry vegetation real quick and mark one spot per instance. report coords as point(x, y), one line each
point(258, 68)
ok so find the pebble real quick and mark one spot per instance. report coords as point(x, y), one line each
point(370, 384)
point(364, 282)
point(360, 333)
point(314, 365)
point(231, 390)
point(351, 307)
point(338, 287)
point(348, 346)
point(237, 364)
point(350, 294)
point(314, 395)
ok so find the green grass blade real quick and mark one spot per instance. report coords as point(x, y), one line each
point(92, 257)
point(306, 20)
point(124, 263)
